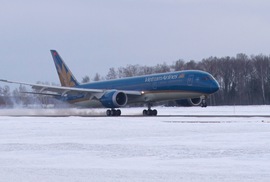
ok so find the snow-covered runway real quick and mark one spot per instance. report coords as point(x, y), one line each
point(137, 148)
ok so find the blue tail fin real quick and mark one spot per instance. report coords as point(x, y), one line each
point(66, 77)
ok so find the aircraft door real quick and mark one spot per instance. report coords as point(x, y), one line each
point(190, 80)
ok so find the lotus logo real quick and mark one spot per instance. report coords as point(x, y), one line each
point(182, 75)
point(65, 76)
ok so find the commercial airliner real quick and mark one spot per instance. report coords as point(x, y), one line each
point(193, 85)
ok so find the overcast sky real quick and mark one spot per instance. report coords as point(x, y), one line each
point(94, 35)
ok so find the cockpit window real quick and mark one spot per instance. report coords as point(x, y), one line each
point(205, 78)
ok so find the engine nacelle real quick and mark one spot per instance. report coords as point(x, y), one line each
point(189, 102)
point(114, 99)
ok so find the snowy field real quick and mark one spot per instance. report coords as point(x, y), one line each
point(136, 148)
point(179, 111)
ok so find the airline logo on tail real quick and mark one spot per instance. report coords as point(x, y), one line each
point(66, 77)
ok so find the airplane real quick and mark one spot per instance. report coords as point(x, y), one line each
point(193, 85)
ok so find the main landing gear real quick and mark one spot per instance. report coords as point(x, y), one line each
point(204, 103)
point(113, 112)
point(149, 111)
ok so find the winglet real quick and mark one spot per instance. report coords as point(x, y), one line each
point(65, 75)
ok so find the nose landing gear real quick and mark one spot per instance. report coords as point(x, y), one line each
point(204, 103)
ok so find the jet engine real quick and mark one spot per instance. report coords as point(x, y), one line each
point(114, 99)
point(189, 102)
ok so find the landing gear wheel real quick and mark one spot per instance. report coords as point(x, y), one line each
point(145, 112)
point(149, 112)
point(118, 112)
point(109, 112)
point(113, 112)
point(204, 103)
point(154, 112)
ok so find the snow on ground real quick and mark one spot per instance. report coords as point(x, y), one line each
point(137, 148)
point(187, 111)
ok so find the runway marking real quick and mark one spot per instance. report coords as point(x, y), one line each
point(123, 116)
point(206, 122)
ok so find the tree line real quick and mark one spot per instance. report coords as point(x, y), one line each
point(244, 80)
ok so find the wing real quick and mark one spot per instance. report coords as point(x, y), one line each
point(61, 91)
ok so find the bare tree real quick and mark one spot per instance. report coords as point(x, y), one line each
point(191, 65)
point(97, 77)
point(162, 68)
point(5, 94)
point(112, 74)
point(261, 65)
point(129, 71)
point(86, 79)
point(147, 70)
point(179, 65)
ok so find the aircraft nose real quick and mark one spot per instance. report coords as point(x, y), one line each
point(215, 86)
